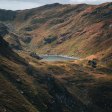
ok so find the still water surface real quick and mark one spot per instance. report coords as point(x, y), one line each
point(57, 58)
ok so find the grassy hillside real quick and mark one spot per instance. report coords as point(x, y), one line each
point(80, 30)
point(30, 85)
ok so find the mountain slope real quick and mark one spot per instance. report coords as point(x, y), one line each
point(79, 30)
point(29, 85)
point(11, 99)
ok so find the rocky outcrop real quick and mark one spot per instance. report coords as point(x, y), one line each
point(14, 41)
point(49, 39)
point(33, 54)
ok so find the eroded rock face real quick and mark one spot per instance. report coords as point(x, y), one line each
point(10, 37)
point(13, 41)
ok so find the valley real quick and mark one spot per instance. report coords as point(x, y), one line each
point(56, 58)
point(75, 30)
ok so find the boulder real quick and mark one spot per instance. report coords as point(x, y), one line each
point(33, 54)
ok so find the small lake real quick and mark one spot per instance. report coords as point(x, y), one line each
point(57, 58)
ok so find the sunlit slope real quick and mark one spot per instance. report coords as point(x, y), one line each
point(79, 30)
